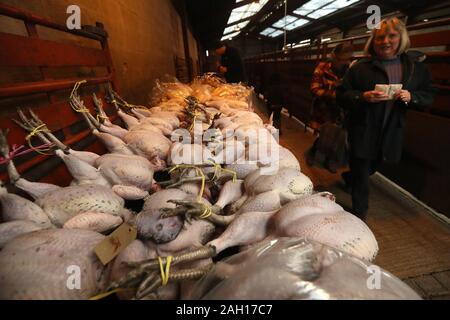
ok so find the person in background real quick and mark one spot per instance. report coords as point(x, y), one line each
point(275, 99)
point(329, 149)
point(231, 65)
point(377, 121)
point(326, 77)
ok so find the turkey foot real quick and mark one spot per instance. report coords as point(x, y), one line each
point(152, 282)
point(144, 271)
point(194, 209)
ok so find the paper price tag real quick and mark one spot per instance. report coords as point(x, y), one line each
point(115, 243)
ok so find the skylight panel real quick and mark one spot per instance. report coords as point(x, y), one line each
point(321, 13)
point(314, 4)
point(276, 33)
point(284, 21)
point(229, 36)
point(235, 27)
point(245, 11)
point(339, 4)
point(296, 24)
point(267, 31)
point(302, 12)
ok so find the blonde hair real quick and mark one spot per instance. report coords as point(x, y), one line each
point(395, 24)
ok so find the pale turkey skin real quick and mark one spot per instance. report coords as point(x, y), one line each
point(64, 204)
point(15, 207)
point(37, 266)
point(127, 171)
point(13, 229)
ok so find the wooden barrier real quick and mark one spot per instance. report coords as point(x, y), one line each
point(28, 52)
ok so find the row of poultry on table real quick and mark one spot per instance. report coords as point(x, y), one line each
point(227, 196)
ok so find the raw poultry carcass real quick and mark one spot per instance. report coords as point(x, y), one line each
point(34, 189)
point(15, 207)
point(320, 219)
point(66, 203)
point(251, 227)
point(151, 225)
point(12, 229)
point(297, 269)
point(130, 176)
point(59, 206)
point(149, 144)
point(230, 196)
point(36, 126)
point(39, 265)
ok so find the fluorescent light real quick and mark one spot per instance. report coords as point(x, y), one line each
point(207, 53)
point(267, 31)
point(236, 27)
point(284, 21)
point(296, 24)
point(229, 36)
point(276, 33)
point(325, 39)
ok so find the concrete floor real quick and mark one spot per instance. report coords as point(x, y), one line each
point(414, 245)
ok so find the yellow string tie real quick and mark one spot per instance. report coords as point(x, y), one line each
point(217, 168)
point(100, 116)
point(218, 171)
point(38, 129)
point(76, 86)
point(127, 105)
point(105, 294)
point(232, 172)
point(199, 173)
point(165, 273)
point(206, 213)
point(79, 109)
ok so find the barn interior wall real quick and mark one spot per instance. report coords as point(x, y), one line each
point(145, 36)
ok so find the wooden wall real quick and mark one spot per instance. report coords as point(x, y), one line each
point(145, 37)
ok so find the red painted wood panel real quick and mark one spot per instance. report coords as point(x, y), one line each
point(25, 51)
point(438, 38)
point(20, 51)
point(20, 89)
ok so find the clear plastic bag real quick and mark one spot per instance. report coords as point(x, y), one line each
point(169, 88)
point(201, 91)
point(210, 78)
point(293, 268)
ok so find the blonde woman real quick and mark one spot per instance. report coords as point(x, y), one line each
point(377, 91)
